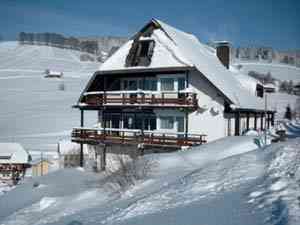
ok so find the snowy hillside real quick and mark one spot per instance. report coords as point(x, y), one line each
point(15, 57)
point(34, 111)
point(229, 181)
point(279, 102)
point(277, 70)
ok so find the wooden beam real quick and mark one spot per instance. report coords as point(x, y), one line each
point(262, 121)
point(186, 125)
point(255, 121)
point(81, 145)
point(247, 122)
point(237, 124)
point(272, 119)
point(103, 158)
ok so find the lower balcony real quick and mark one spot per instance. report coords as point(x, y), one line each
point(132, 136)
point(141, 98)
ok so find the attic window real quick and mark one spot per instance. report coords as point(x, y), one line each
point(140, 53)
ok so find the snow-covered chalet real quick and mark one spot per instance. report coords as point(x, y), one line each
point(165, 89)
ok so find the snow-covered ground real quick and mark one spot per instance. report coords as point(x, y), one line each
point(277, 70)
point(229, 181)
point(279, 101)
point(34, 58)
point(34, 112)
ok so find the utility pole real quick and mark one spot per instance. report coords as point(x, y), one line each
point(266, 109)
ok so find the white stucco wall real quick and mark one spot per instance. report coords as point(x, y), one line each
point(209, 118)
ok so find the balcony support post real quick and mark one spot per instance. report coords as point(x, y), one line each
point(186, 125)
point(103, 158)
point(262, 121)
point(247, 121)
point(143, 125)
point(237, 124)
point(81, 145)
point(255, 121)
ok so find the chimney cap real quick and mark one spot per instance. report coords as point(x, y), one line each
point(222, 43)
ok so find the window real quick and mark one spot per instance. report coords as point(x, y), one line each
point(150, 122)
point(130, 85)
point(167, 84)
point(140, 53)
point(128, 121)
point(150, 85)
point(167, 122)
point(144, 48)
point(181, 83)
point(180, 123)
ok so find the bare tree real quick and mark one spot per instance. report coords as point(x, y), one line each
point(130, 171)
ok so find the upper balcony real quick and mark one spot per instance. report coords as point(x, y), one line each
point(139, 98)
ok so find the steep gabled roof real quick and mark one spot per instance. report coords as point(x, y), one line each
point(175, 48)
point(13, 153)
point(209, 65)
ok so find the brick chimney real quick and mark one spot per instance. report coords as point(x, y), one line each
point(223, 52)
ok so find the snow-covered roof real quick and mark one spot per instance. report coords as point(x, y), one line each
point(52, 72)
point(175, 48)
point(13, 153)
point(246, 81)
point(39, 160)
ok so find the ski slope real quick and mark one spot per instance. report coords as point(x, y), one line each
point(15, 57)
point(229, 181)
point(277, 70)
point(34, 111)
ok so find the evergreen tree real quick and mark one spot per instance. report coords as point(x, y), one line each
point(288, 113)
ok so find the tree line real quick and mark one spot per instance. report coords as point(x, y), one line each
point(58, 40)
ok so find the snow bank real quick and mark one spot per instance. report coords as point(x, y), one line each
point(280, 190)
point(44, 193)
point(229, 181)
point(205, 154)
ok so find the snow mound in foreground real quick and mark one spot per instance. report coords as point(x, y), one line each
point(229, 181)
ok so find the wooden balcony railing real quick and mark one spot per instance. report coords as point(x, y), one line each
point(144, 98)
point(133, 136)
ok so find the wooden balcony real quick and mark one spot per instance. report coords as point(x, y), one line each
point(144, 98)
point(131, 136)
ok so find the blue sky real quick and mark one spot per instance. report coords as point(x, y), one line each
point(273, 23)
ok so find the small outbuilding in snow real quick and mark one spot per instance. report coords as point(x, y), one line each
point(14, 160)
point(53, 74)
point(40, 167)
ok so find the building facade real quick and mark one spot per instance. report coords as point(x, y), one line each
point(14, 160)
point(165, 89)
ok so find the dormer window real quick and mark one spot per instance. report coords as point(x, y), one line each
point(140, 53)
